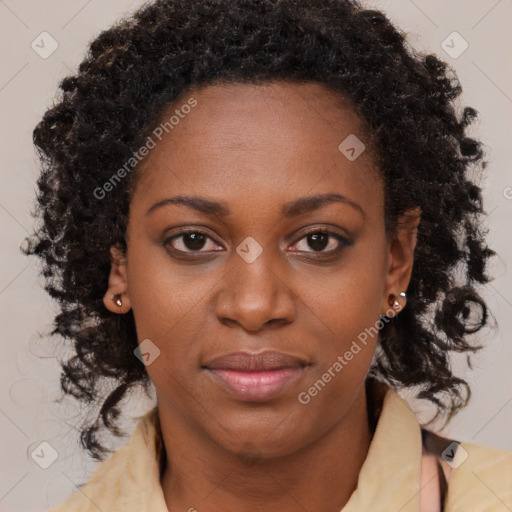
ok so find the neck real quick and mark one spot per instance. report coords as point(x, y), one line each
point(322, 476)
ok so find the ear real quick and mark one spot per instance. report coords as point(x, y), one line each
point(400, 260)
point(117, 283)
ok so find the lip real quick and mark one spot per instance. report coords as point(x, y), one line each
point(256, 377)
point(260, 361)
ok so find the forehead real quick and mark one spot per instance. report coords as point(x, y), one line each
point(245, 137)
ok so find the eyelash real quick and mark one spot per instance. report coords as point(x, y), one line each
point(343, 242)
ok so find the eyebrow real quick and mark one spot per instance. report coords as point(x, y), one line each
point(291, 209)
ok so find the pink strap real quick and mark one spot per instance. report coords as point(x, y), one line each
point(430, 483)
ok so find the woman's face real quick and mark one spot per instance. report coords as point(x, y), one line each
point(236, 265)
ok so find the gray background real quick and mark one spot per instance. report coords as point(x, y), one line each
point(30, 372)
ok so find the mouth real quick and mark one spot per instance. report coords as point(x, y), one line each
point(256, 377)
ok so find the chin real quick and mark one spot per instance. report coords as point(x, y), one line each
point(261, 434)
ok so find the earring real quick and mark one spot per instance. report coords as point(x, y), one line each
point(393, 302)
point(117, 299)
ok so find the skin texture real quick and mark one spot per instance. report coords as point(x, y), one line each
point(255, 148)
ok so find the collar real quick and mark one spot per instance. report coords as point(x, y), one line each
point(389, 478)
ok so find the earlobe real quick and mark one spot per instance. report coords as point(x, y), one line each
point(116, 297)
point(116, 303)
point(395, 304)
point(401, 259)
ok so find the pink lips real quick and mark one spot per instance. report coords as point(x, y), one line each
point(256, 377)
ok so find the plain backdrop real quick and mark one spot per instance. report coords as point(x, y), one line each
point(30, 372)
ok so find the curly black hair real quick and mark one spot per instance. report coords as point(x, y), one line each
point(406, 100)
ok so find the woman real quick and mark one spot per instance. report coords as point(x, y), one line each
point(260, 208)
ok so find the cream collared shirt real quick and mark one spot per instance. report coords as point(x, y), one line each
point(389, 480)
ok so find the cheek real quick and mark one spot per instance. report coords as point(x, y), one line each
point(167, 302)
point(348, 305)
point(351, 312)
point(172, 307)
point(165, 296)
point(348, 299)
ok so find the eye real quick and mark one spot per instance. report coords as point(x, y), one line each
point(190, 241)
point(194, 241)
point(320, 240)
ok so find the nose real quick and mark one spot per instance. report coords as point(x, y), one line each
point(254, 294)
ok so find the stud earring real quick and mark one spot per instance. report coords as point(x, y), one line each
point(394, 303)
point(117, 299)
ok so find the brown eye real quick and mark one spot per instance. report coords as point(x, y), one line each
point(190, 241)
point(319, 241)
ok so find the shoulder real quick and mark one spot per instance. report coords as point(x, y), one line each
point(482, 476)
point(126, 480)
point(104, 483)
